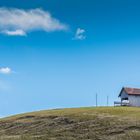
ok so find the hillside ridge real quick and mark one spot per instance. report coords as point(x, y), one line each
point(89, 123)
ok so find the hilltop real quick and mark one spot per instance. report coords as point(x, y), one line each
point(102, 123)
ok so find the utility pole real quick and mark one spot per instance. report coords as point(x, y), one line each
point(107, 100)
point(96, 99)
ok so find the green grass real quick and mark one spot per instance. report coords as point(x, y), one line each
point(102, 123)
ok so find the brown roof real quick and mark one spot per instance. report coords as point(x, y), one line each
point(130, 91)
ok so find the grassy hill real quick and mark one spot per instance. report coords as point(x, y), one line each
point(102, 123)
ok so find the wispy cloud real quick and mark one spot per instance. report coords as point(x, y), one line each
point(5, 70)
point(5, 86)
point(20, 22)
point(14, 33)
point(80, 34)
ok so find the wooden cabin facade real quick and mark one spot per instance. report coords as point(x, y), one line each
point(130, 96)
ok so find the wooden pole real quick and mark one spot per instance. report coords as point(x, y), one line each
point(96, 99)
point(107, 100)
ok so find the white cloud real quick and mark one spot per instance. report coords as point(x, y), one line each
point(15, 33)
point(80, 34)
point(19, 21)
point(5, 70)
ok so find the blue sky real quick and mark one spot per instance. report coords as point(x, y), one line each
point(57, 54)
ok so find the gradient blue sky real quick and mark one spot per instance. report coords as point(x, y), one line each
point(54, 70)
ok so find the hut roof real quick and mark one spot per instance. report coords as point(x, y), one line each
point(130, 91)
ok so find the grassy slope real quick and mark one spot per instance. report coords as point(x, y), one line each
point(114, 123)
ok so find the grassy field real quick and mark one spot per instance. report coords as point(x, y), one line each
point(102, 123)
